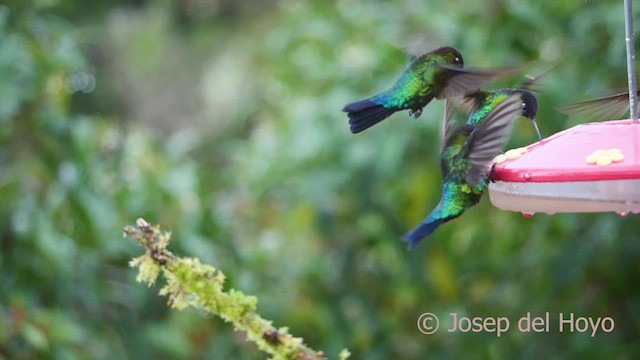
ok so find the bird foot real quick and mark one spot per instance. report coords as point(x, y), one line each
point(415, 112)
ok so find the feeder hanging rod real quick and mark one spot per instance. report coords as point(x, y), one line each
point(631, 61)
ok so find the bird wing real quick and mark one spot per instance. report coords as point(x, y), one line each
point(452, 139)
point(447, 124)
point(452, 136)
point(604, 108)
point(468, 102)
point(418, 45)
point(532, 82)
point(487, 138)
point(457, 110)
point(471, 100)
point(454, 81)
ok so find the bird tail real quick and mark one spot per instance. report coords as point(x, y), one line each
point(364, 114)
point(415, 236)
point(429, 225)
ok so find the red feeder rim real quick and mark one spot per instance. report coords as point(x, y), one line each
point(554, 176)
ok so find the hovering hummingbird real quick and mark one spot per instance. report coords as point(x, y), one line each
point(604, 108)
point(465, 162)
point(436, 74)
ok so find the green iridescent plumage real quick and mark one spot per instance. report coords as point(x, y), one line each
point(437, 74)
point(465, 161)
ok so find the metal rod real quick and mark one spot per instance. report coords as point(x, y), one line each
point(631, 61)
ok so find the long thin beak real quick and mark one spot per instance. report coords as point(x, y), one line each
point(533, 121)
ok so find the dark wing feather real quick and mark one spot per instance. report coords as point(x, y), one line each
point(605, 108)
point(532, 82)
point(454, 81)
point(488, 138)
point(468, 102)
point(456, 110)
point(447, 125)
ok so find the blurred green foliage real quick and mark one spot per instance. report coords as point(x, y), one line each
point(221, 120)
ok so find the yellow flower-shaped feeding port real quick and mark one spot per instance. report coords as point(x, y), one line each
point(603, 157)
point(509, 155)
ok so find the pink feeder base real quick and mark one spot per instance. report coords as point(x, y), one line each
point(553, 175)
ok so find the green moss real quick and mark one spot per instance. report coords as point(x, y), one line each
point(191, 283)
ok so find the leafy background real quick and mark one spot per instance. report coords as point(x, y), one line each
point(221, 121)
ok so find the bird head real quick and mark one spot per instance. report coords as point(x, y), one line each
point(530, 108)
point(453, 56)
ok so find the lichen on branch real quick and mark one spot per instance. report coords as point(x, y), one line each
point(191, 283)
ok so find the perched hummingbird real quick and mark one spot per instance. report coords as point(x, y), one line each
point(604, 108)
point(465, 162)
point(436, 74)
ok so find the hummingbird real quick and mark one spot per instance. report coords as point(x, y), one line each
point(438, 74)
point(604, 108)
point(465, 162)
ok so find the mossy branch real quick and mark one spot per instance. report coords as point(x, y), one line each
point(190, 283)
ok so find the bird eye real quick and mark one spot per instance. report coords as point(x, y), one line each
point(524, 105)
point(457, 59)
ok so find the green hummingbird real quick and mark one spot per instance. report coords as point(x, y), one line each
point(438, 74)
point(465, 162)
point(604, 108)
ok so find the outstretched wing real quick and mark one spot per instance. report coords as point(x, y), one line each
point(454, 81)
point(532, 82)
point(606, 108)
point(488, 138)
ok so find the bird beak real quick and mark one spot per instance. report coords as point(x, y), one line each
point(533, 121)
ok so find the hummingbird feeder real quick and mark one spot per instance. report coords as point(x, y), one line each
point(593, 167)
